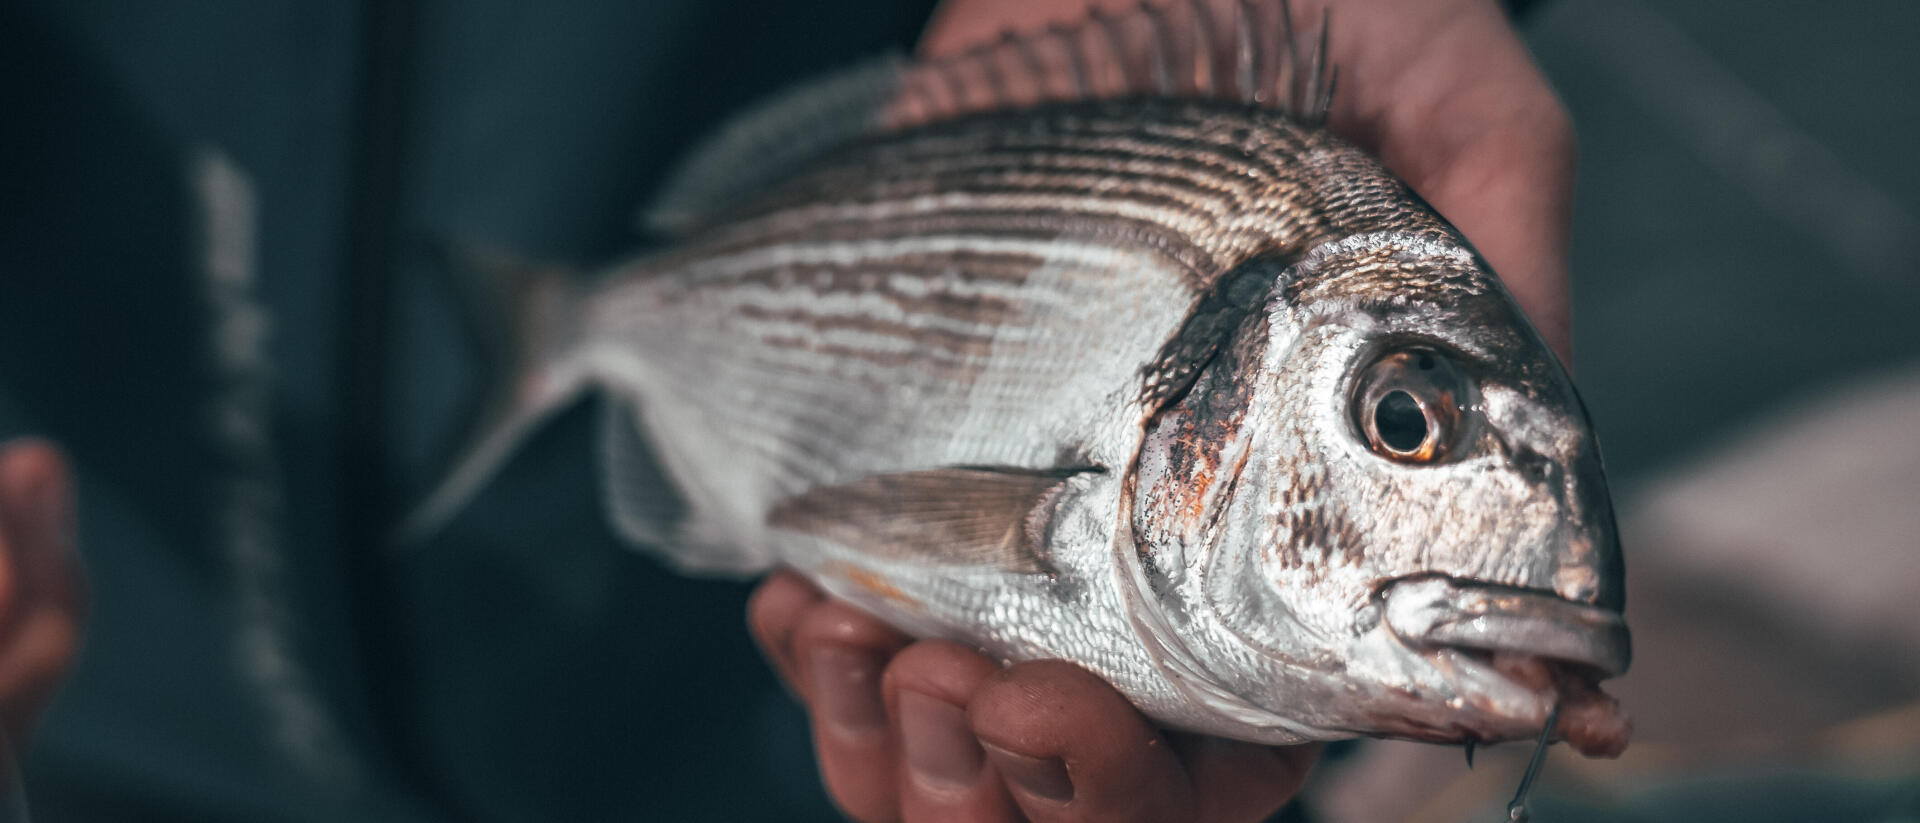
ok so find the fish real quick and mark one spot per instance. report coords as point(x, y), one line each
point(1095, 344)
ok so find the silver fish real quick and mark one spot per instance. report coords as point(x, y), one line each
point(1151, 373)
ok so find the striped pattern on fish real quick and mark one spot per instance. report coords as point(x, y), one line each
point(941, 252)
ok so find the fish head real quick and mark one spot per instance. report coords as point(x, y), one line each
point(1390, 516)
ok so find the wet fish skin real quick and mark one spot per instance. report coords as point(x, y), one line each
point(1188, 391)
point(1078, 382)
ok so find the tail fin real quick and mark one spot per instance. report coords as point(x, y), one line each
point(524, 316)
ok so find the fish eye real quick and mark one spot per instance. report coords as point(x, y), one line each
point(1407, 405)
point(1401, 424)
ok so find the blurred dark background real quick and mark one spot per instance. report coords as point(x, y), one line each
point(217, 290)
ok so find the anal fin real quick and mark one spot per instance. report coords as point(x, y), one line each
point(969, 516)
point(641, 499)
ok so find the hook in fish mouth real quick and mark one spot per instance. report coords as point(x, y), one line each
point(1440, 611)
point(1534, 655)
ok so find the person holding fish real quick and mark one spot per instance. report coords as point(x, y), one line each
point(1442, 91)
point(1446, 94)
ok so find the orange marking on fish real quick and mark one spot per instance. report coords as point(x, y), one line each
point(878, 586)
point(1202, 479)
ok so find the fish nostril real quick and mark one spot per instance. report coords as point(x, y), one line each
point(1534, 466)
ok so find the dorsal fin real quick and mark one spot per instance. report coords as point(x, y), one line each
point(1246, 51)
point(773, 139)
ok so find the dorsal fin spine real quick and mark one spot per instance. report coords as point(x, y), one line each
point(1295, 88)
point(1162, 43)
point(1109, 28)
point(1076, 59)
point(1238, 63)
point(956, 89)
point(1319, 64)
point(990, 68)
point(1204, 52)
point(1255, 60)
point(1325, 103)
point(1029, 59)
point(1245, 56)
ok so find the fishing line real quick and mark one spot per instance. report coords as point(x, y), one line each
point(1517, 808)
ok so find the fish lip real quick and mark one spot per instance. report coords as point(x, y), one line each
point(1437, 611)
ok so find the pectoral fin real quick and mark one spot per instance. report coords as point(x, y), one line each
point(949, 516)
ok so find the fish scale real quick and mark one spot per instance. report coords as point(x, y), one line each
point(1104, 376)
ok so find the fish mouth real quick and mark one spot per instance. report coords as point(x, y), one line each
point(1512, 655)
point(1436, 611)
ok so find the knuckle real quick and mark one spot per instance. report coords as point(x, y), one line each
point(940, 668)
point(1030, 708)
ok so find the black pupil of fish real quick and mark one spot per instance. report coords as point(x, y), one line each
point(1399, 422)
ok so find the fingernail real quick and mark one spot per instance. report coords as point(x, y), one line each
point(846, 689)
point(1045, 778)
point(941, 751)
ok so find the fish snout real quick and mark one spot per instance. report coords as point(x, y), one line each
point(1435, 612)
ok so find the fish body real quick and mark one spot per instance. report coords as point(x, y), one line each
point(1188, 391)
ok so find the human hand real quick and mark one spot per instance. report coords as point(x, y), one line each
point(934, 731)
point(43, 593)
point(1443, 91)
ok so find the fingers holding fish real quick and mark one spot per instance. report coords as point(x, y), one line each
point(947, 734)
point(943, 772)
point(772, 615)
point(841, 653)
point(1073, 749)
